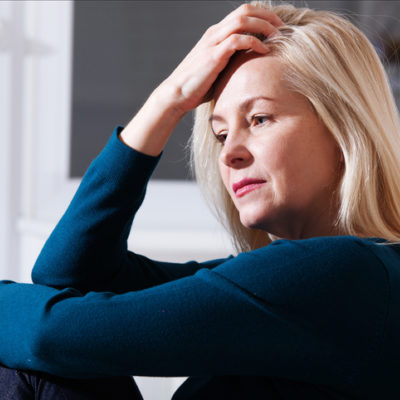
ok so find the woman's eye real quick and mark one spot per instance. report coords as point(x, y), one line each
point(260, 119)
point(221, 136)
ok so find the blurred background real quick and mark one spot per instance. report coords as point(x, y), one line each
point(72, 71)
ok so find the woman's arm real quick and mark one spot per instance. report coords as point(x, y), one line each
point(293, 309)
point(88, 248)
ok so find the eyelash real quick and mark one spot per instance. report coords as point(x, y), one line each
point(221, 137)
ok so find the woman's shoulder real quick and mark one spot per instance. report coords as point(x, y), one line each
point(319, 261)
point(355, 253)
point(345, 247)
point(325, 247)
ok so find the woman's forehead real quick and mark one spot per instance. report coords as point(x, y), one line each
point(249, 75)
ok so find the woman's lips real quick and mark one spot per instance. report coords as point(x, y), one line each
point(246, 185)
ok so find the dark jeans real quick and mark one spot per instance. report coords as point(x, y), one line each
point(30, 385)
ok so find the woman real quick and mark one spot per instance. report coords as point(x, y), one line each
point(295, 139)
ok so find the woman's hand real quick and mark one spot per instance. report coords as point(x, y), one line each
point(193, 78)
point(190, 82)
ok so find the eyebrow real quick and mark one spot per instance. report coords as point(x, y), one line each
point(242, 106)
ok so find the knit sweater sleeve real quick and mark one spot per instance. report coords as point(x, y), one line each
point(88, 248)
point(294, 309)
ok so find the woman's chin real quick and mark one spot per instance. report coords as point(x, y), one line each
point(252, 222)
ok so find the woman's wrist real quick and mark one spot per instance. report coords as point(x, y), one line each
point(151, 127)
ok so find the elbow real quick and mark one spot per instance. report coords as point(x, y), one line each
point(48, 272)
point(38, 274)
point(43, 275)
point(35, 276)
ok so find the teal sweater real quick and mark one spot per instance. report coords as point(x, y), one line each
point(314, 319)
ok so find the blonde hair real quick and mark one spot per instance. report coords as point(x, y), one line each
point(330, 62)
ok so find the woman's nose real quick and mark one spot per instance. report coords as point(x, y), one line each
point(235, 153)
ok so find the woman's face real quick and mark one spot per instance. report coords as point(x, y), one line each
point(278, 162)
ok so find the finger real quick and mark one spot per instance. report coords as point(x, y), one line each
point(243, 24)
point(252, 10)
point(238, 42)
point(237, 20)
